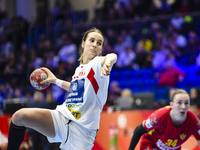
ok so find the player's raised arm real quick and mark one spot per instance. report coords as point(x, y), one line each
point(107, 63)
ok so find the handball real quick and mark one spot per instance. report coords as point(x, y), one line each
point(36, 77)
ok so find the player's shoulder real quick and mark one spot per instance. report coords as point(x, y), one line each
point(157, 119)
point(191, 114)
point(192, 120)
point(98, 58)
point(162, 113)
point(164, 110)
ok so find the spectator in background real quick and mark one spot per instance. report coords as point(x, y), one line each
point(143, 58)
point(195, 96)
point(126, 93)
point(198, 63)
point(153, 10)
point(185, 7)
point(177, 21)
point(6, 46)
point(170, 76)
point(9, 68)
point(52, 61)
point(122, 12)
point(161, 57)
point(60, 41)
point(126, 100)
point(111, 15)
point(179, 40)
point(42, 52)
point(111, 36)
point(68, 52)
point(107, 48)
point(158, 40)
point(192, 49)
point(127, 37)
point(56, 10)
point(194, 108)
point(2, 94)
point(155, 28)
point(126, 58)
point(146, 43)
point(171, 92)
point(38, 140)
point(164, 7)
point(175, 51)
point(38, 101)
point(18, 94)
point(41, 41)
point(114, 93)
point(120, 45)
point(126, 3)
point(74, 36)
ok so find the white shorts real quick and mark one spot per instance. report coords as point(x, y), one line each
point(71, 135)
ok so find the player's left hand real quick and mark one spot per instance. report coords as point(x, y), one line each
point(106, 68)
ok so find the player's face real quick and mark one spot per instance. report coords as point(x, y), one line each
point(93, 45)
point(180, 105)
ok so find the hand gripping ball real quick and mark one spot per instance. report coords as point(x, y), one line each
point(36, 77)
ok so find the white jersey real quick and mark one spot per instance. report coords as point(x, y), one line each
point(87, 95)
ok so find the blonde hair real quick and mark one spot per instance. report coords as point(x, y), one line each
point(126, 93)
point(38, 95)
point(84, 39)
point(178, 91)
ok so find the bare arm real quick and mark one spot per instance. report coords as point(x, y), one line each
point(52, 79)
point(107, 63)
point(138, 132)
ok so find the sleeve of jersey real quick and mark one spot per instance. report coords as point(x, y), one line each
point(195, 126)
point(96, 62)
point(98, 59)
point(154, 120)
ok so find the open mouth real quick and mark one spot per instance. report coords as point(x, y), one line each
point(182, 113)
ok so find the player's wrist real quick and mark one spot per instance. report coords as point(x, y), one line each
point(59, 82)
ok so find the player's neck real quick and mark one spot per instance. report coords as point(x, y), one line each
point(176, 120)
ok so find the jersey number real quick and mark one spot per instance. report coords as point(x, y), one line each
point(171, 142)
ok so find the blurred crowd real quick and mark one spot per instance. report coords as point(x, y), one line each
point(160, 36)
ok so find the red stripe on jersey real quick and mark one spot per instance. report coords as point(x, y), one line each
point(90, 76)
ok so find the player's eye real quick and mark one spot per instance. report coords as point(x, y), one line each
point(99, 43)
point(179, 103)
point(91, 40)
point(186, 103)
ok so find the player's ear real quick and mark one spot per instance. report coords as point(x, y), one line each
point(171, 103)
point(83, 44)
